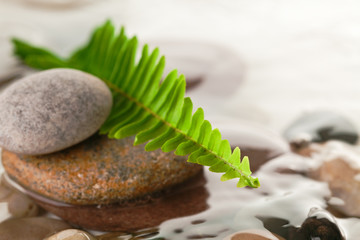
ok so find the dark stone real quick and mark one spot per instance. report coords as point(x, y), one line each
point(319, 225)
point(321, 228)
point(320, 127)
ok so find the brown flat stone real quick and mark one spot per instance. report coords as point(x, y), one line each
point(98, 171)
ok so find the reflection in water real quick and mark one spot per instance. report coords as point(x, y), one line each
point(187, 198)
point(288, 204)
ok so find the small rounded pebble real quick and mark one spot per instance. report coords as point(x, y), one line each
point(34, 228)
point(320, 126)
point(52, 110)
point(20, 205)
point(71, 234)
point(255, 234)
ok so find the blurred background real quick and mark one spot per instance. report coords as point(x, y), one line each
point(264, 62)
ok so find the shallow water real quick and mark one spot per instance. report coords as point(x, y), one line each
point(286, 196)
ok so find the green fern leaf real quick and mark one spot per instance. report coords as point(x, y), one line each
point(155, 112)
point(159, 141)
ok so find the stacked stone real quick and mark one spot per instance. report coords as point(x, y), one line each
point(51, 150)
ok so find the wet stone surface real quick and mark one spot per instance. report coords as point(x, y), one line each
point(98, 171)
point(319, 225)
point(52, 110)
point(18, 204)
point(125, 187)
point(337, 164)
point(254, 235)
point(314, 228)
point(34, 228)
point(320, 126)
point(135, 235)
point(343, 183)
point(187, 198)
point(71, 234)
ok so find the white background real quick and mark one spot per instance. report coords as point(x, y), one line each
point(293, 56)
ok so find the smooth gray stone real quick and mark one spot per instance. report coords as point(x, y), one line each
point(35, 228)
point(52, 110)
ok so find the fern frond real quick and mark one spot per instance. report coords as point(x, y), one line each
point(156, 113)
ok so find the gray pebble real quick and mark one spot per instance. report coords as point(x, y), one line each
point(71, 234)
point(34, 228)
point(52, 110)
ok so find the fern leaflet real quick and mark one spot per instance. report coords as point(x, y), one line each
point(155, 112)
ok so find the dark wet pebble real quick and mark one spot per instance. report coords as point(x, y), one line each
point(320, 126)
point(318, 228)
point(320, 224)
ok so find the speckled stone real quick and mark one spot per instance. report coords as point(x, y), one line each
point(52, 110)
point(34, 228)
point(71, 234)
point(98, 171)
